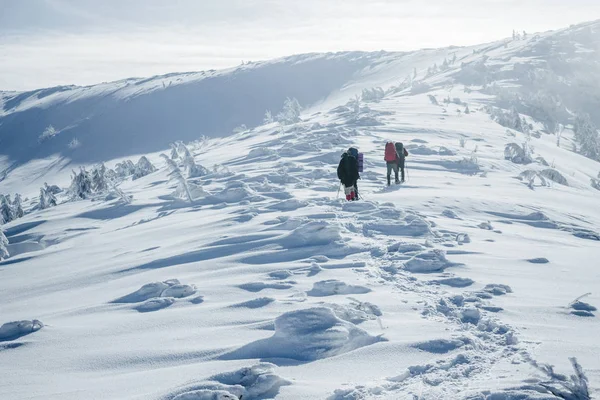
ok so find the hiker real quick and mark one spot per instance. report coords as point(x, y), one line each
point(353, 151)
point(347, 173)
point(401, 154)
point(395, 155)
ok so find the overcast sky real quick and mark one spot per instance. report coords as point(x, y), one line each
point(54, 42)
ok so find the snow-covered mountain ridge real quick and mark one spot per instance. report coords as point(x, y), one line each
point(455, 285)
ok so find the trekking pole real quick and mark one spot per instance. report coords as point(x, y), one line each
point(338, 193)
point(406, 168)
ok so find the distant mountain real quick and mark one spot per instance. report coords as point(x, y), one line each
point(553, 77)
point(143, 115)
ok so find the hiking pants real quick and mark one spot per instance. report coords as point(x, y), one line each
point(349, 192)
point(393, 166)
point(401, 165)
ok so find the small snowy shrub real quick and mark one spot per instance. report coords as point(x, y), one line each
point(596, 182)
point(515, 153)
point(73, 144)
point(52, 188)
point(354, 104)
point(48, 133)
point(176, 175)
point(290, 114)
point(574, 387)
point(462, 142)
point(47, 198)
point(554, 176)
point(268, 118)
point(419, 87)
point(433, 100)
point(374, 94)
point(240, 128)
point(3, 246)
point(81, 184)
point(509, 119)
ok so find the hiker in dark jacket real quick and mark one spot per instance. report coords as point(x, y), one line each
point(353, 151)
point(347, 173)
point(401, 154)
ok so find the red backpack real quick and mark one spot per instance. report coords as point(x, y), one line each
point(390, 152)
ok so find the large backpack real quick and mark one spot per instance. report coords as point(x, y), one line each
point(390, 152)
point(353, 151)
point(400, 150)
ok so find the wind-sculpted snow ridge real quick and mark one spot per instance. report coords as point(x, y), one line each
point(249, 383)
point(157, 295)
point(307, 335)
point(17, 329)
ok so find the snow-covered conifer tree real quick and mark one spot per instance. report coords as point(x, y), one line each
point(17, 206)
point(6, 210)
point(290, 113)
point(125, 169)
point(175, 174)
point(99, 181)
point(586, 135)
point(268, 117)
point(81, 184)
point(143, 167)
point(174, 153)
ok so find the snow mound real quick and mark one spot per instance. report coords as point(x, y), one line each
point(450, 214)
point(314, 233)
point(256, 303)
point(169, 288)
point(411, 226)
point(497, 289)
point(155, 304)
point(357, 312)
point(249, 383)
point(16, 329)
point(539, 260)
point(234, 192)
point(258, 286)
point(440, 346)
point(454, 282)
point(428, 261)
point(333, 286)
point(206, 394)
point(307, 335)
point(283, 274)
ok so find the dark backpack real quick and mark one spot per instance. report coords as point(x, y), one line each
point(400, 150)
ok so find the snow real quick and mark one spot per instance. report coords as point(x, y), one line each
point(263, 283)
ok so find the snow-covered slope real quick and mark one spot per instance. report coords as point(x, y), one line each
point(453, 285)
